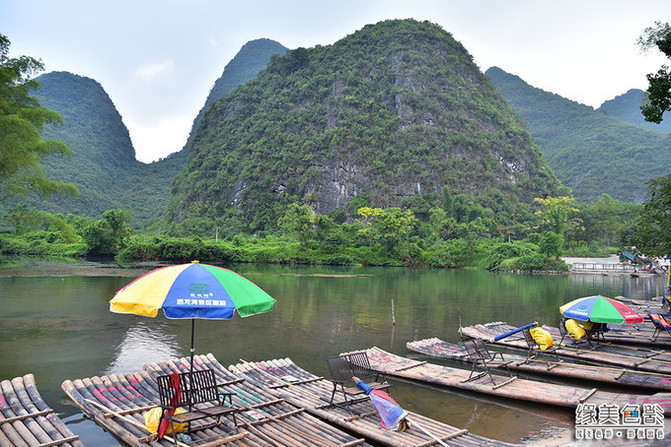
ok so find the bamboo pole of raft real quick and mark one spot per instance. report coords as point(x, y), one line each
point(338, 438)
point(52, 434)
point(98, 391)
point(602, 367)
point(78, 392)
point(256, 368)
point(18, 434)
point(28, 414)
point(38, 402)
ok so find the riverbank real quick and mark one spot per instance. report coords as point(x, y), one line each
point(607, 266)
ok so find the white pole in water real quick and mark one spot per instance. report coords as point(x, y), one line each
point(393, 313)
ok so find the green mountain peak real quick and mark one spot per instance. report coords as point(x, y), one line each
point(394, 110)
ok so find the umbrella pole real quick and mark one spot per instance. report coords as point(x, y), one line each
point(193, 330)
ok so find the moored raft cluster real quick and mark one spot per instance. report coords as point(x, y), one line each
point(117, 402)
point(279, 404)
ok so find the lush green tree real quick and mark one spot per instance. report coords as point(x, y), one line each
point(21, 122)
point(394, 225)
point(368, 217)
point(658, 98)
point(441, 224)
point(652, 235)
point(557, 214)
point(24, 220)
point(110, 234)
point(606, 221)
point(551, 244)
point(298, 222)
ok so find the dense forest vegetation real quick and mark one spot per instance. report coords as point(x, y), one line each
point(102, 162)
point(589, 151)
point(395, 111)
point(389, 147)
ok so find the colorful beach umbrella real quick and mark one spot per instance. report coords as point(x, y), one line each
point(600, 309)
point(190, 291)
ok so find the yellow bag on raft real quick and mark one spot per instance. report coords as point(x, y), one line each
point(542, 337)
point(153, 417)
point(574, 329)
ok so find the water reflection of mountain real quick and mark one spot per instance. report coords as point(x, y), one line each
point(143, 344)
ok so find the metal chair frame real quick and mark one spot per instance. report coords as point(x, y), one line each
point(195, 387)
point(343, 367)
point(481, 361)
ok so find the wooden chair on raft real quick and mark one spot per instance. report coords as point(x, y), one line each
point(356, 364)
point(188, 389)
point(661, 324)
point(482, 360)
point(534, 350)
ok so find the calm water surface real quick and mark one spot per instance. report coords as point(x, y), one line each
point(55, 323)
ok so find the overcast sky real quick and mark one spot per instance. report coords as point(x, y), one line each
point(158, 59)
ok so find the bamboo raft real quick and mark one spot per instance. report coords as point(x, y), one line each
point(439, 349)
point(631, 357)
point(639, 334)
point(519, 389)
point(312, 393)
point(25, 420)
point(116, 402)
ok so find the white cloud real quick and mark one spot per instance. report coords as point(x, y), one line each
point(151, 71)
point(160, 138)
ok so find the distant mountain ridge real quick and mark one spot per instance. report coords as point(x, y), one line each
point(394, 110)
point(421, 143)
point(103, 164)
point(590, 152)
point(627, 107)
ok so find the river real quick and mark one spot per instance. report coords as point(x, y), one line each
point(55, 323)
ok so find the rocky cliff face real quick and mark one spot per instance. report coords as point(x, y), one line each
point(394, 110)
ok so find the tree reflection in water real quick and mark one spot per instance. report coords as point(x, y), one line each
point(143, 344)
